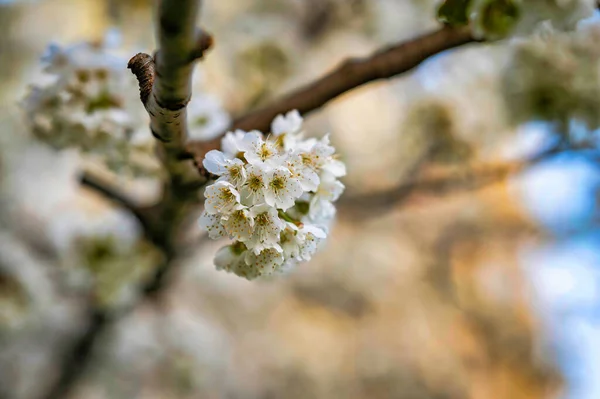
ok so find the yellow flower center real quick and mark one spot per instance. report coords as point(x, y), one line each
point(226, 194)
point(279, 142)
point(262, 219)
point(235, 171)
point(255, 182)
point(278, 183)
point(264, 152)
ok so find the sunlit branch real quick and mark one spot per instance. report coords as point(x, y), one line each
point(350, 74)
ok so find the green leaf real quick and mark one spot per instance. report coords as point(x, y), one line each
point(455, 12)
point(499, 17)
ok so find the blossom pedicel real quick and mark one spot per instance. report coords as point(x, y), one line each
point(273, 196)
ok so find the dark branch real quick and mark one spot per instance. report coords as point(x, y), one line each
point(75, 362)
point(114, 195)
point(165, 89)
point(439, 183)
point(383, 64)
point(355, 72)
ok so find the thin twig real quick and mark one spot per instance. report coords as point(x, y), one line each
point(76, 361)
point(439, 183)
point(113, 194)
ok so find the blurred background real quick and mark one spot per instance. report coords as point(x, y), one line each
point(464, 261)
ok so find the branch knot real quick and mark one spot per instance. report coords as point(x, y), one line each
point(142, 66)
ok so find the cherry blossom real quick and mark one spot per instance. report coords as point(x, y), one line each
point(273, 196)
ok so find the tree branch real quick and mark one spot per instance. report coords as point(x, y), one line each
point(350, 74)
point(355, 72)
point(439, 183)
point(114, 195)
point(165, 90)
point(165, 81)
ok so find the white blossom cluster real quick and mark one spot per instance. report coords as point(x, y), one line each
point(567, 90)
point(273, 196)
point(87, 99)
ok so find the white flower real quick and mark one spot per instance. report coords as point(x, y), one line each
point(281, 188)
point(238, 224)
point(309, 237)
point(212, 224)
point(306, 176)
point(289, 241)
point(321, 213)
point(301, 243)
point(316, 153)
point(336, 167)
point(267, 227)
point(231, 144)
point(258, 151)
point(221, 197)
point(329, 189)
point(265, 263)
point(291, 123)
point(236, 259)
point(232, 258)
point(207, 118)
point(287, 130)
point(253, 190)
point(231, 170)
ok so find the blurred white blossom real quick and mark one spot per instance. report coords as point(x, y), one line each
point(567, 90)
point(207, 119)
point(87, 100)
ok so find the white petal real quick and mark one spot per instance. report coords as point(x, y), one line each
point(267, 227)
point(231, 144)
point(212, 224)
point(335, 167)
point(290, 123)
point(284, 193)
point(239, 224)
point(221, 197)
point(254, 186)
point(288, 199)
point(265, 263)
point(270, 198)
point(207, 118)
point(314, 230)
point(215, 161)
point(251, 141)
point(231, 258)
point(336, 190)
point(321, 212)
